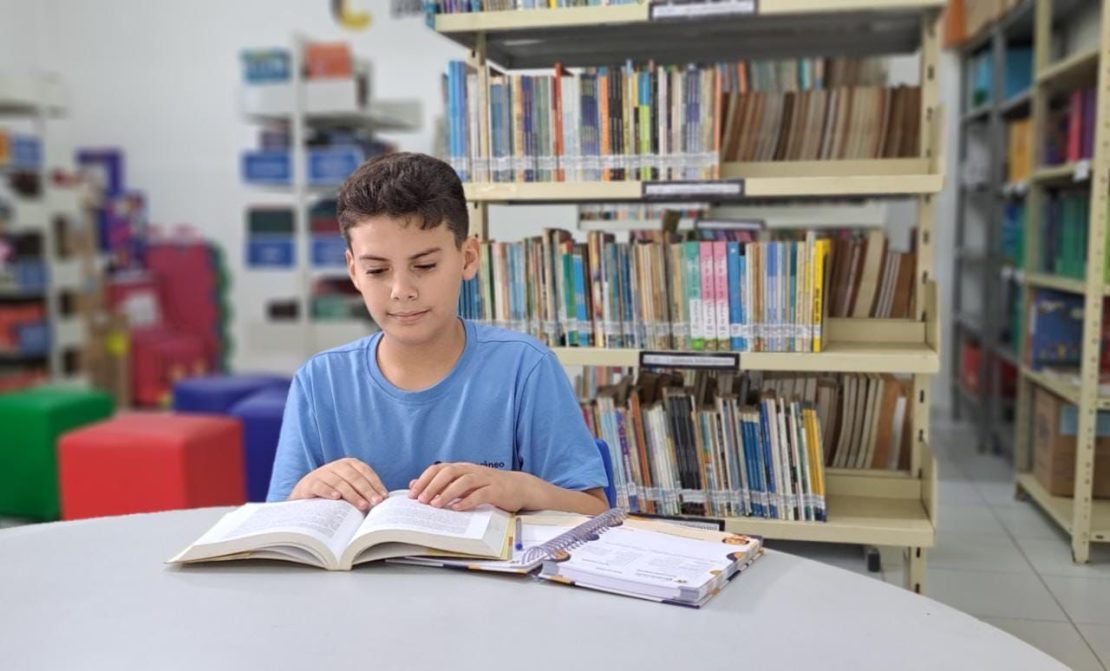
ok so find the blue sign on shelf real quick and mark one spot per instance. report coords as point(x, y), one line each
point(332, 165)
point(270, 251)
point(329, 251)
point(267, 167)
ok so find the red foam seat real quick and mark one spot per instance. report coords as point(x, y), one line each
point(147, 462)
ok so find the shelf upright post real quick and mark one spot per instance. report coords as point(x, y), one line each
point(479, 210)
point(1092, 309)
point(299, 158)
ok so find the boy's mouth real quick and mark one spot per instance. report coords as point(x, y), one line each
point(408, 317)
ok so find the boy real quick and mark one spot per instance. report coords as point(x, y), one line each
point(458, 413)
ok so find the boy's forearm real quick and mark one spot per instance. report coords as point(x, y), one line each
point(542, 495)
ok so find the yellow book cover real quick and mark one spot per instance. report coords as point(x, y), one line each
point(819, 292)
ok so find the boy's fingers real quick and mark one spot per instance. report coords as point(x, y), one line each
point(473, 500)
point(457, 488)
point(425, 477)
point(359, 482)
point(372, 477)
point(439, 481)
point(320, 489)
point(347, 491)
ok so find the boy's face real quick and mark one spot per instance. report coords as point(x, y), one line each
point(409, 277)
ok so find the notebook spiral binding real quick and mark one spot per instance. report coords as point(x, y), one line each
point(576, 536)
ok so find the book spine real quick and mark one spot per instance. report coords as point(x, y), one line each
point(720, 273)
point(735, 318)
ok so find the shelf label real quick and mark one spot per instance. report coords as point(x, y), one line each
point(699, 360)
point(1082, 171)
point(685, 10)
point(694, 190)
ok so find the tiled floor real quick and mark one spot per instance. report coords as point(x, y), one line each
point(1001, 560)
point(998, 559)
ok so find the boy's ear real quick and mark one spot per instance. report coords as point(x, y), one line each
point(471, 250)
point(351, 268)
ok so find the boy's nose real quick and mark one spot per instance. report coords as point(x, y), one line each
point(403, 290)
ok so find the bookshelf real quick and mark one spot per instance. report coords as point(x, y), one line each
point(1079, 66)
point(895, 508)
point(306, 104)
point(982, 273)
point(30, 101)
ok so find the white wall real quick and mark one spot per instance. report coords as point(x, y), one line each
point(160, 79)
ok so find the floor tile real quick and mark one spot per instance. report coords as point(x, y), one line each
point(959, 493)
point(1059, 639)
point(1025, 519)
point(1086, 600)
point(996, 493)
point(1098, 637)
point(968, 519)
point(992, 594)
point(1052, 556)
point(977, 552)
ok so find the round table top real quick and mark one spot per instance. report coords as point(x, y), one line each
point(96, 594)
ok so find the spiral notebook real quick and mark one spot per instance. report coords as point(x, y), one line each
point(646, 559)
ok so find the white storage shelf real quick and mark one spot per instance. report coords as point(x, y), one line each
point(330, 102)
point(27, 94)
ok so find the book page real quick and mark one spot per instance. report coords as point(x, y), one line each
point(398, 511)
point(332, 523)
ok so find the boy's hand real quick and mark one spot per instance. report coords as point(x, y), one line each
point(463, 486)
point(347, 479)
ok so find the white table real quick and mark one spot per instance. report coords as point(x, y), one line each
point(96, 595)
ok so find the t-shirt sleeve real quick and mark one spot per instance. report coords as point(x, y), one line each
point(299, 450)
point(553, 440)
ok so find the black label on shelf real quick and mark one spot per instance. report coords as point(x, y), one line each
point(701, 360)
point(712, 189)
point(692, 10)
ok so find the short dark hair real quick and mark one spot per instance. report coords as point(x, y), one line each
point(403, 185)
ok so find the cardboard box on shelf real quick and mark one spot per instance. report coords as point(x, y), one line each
point(1055, 426)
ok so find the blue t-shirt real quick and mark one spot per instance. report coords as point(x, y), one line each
point(507, 395)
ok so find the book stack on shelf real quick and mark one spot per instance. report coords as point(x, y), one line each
point(727, 293)
point(649, 103)
point(651, 122)
point(318, 120)
point(747, 445)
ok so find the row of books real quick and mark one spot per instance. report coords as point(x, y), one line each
point(467, 6)
point(668, 293)
point(852, 122)
point(648, 121)
point(706, 449)
point(747, 444)
point(1014, 215)
point(1054, 330)
point(1064, 234)
point(1019, 157)
point(1070, 128)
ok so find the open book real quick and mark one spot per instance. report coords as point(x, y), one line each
point(336, 535)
